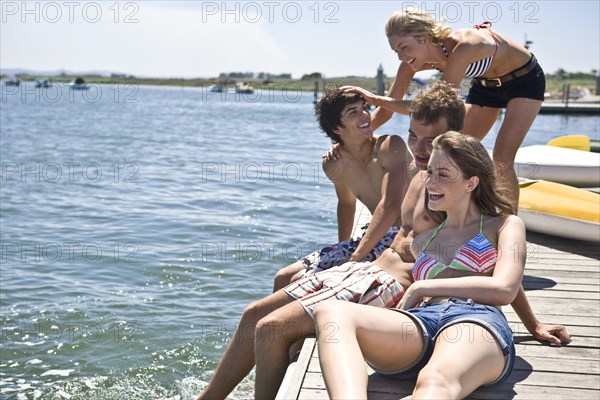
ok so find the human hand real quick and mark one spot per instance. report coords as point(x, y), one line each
point(365, 94)
point(410, 299)
point(333, 153)
point(555, 334)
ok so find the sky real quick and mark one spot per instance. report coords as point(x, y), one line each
point(188, 39)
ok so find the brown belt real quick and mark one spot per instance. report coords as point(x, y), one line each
point(497, 82)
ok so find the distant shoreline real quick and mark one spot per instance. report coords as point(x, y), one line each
point(553, 86)
point(229, 83)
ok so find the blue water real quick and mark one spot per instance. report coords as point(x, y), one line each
point(136, 224)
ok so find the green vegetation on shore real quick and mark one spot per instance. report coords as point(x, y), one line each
point(554, 82)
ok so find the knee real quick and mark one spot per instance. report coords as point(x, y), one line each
point(433, 381)
point(284, 276)
point(329, 312)
point(272, 329)
point(254, 311)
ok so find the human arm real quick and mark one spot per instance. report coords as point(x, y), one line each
point(387, 105)
point(555, 334)
point(499, 289)
point(346, 206)
point(395, 159)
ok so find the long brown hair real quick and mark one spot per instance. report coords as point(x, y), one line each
point(472, 159)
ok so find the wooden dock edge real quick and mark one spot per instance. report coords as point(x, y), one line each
point(294, 376)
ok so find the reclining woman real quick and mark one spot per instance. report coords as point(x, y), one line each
point(457, 339)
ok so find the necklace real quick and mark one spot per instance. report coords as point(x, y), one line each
point(444, 49)
point(445, 52)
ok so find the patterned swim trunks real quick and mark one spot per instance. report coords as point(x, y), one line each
point(363, 283)
point(340, 253)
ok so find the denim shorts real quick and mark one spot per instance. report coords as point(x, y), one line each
point(436, 318)
point(532, 85)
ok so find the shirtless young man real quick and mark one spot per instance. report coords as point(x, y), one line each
point(283, 320)
point(373, 169)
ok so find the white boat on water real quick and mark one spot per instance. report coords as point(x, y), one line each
point(562, 165)
point(244, 88)
point(215, 88)
point(79, 84)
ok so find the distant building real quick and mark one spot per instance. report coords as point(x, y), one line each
point(380, 82)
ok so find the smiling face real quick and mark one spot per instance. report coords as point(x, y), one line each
point(355, 121)
point(410, 50)
point(420, 136)
point(445, 184)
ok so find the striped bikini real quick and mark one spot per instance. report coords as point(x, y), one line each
point(478, 68)
point(477, 255)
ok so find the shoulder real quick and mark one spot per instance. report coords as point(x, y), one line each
point(473, 41)
point(510, 226)
point(470, 36)
point(334, 168)
point(513, 221)
point(391, 140)
point(392, 148)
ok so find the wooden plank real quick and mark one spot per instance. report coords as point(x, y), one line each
point(567, 320)
point(579, 266)
point(533, 393)
point(544, 284)
point(292, 382)
point(549, 364)
point(559, 294)
point(519, 329)
point(560, 353)
point(543, 305)
point(590, 278)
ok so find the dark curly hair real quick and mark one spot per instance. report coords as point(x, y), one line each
point(328, 111)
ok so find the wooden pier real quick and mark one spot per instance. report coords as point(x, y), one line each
point(562, 282)
point(572, 107)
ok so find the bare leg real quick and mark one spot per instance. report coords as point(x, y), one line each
point(285, 275)
point(479, 120)
point(238, 359)
point(350, 333)
point(463, 359)
point(275, 334)
point(283, 278)
point(520, 114)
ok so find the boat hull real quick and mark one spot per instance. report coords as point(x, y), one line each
point(560, 210)
point(561, 165)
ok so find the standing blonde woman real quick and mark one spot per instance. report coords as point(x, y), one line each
point(505, 75)
point(457, 339)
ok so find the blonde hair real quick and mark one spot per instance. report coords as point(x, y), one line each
point(472, 159)
point(413, 23)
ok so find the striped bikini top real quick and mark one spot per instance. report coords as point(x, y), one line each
point(478, 68)
point(477, 255)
